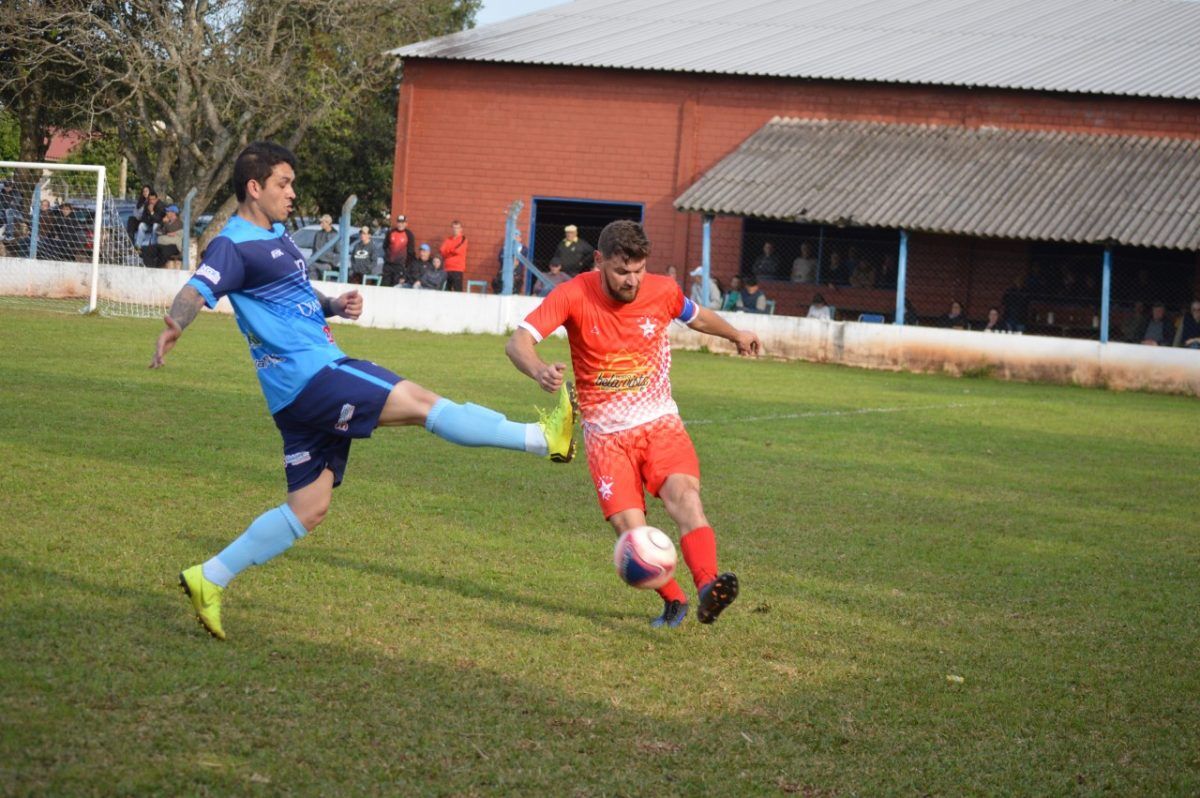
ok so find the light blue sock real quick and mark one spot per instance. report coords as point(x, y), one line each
point(271, 534)
point(474, 425)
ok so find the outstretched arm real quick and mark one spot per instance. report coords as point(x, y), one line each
point(349, 305)
point(710, 323)
point(520, 350)
point(182, 313)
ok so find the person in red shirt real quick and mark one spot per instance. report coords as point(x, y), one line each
point(399, 251)
point(454, 256)
point(616, 320)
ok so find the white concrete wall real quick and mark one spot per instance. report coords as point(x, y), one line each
point(880, 346)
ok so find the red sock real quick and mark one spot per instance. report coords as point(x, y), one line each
point(671, 591)
point(700, 553)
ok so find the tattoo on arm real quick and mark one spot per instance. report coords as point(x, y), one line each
point(186, 306)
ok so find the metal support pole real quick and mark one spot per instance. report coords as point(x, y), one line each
point(35, 217)
point(1105, 294)
point(705, 258)
point(901, 276)
point(97, 233)
point(186, 251)
point(510, 250)
point(344, 235)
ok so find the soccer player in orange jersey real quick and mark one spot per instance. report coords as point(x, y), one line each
point(616, 320)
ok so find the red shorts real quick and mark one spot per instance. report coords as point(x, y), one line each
point(625, 463)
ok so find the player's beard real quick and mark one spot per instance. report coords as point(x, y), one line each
point(618, 293)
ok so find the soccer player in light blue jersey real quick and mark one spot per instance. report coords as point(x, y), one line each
point(320, 398)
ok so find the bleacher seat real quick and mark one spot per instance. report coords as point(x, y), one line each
point(480, 284)
point(771, 306)
point(330, 275)
point(871, 318)
point(372, 279)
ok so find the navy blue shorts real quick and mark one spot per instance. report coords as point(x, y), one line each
point(341, 402)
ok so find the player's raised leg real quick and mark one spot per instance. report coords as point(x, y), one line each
point(680, 494)
point(552, 436)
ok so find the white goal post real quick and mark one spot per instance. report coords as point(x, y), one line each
point(66, 241)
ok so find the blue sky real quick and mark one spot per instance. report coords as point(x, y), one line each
point(499, 10)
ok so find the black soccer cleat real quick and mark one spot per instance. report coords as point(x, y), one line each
point(716, 596)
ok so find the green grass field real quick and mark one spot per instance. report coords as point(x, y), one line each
point(949, 587)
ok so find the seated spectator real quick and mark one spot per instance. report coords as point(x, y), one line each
point(1135, 322)
point(329, 258)
point(555, 276)
point(1158, 331)
point(366, 255)
point(733, 299)
point(1189, 328)
point(673, 273)
point(131, 224)
point(167, 252)
point(753, 300)
point(852, 263)
point(955, 319)
point(766, 265)
point(149, 220)
point(819, 310)
point(518, 271)
point(862, 276)
point(710, 298)
point(804, 268)
point(1016, 304)
point(836, 273)
point(70, 234)
point(433, 274)
point(995, 323)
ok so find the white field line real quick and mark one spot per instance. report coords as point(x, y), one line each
point(862, 411)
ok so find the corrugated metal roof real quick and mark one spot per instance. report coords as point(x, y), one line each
point(1126, 47)
point(1032, 185)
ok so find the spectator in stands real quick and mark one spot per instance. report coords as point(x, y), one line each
point(131, 224)
point(886, 277)
point(433, 273)
point(673, 273)
point(1016, 304)
point(753, 300)
point(70, 234)
point(518, 271)
point(955, 319)
point(819, 310)
point(852, 262)
point(1189, 328)
point(10, 206)
point(149, 220)
point(995, 323)
point(454, 256)
point(555, 276)
point(1135, 322)
point(733, 299)
point(573, 253)
point(168, 250)
point(1158, 331)
point(329, 258)
point(862, 275)
point(709, 297)
point(836, 273)
point(366, 255)
point(766, 265)
point(804, 268)
point(399, 247)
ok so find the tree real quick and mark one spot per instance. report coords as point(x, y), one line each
point(187, 83)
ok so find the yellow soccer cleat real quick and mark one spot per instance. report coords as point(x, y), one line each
point(206, 599)
point(559, 425)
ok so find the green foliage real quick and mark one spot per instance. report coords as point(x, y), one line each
point(10, 136)
point(990, 589)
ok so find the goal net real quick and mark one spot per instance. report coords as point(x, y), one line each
point(67, 244)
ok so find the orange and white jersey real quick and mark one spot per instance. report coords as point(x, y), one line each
point(619, 351)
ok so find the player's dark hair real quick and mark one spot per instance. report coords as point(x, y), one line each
point(256, 163)
point(626, 238)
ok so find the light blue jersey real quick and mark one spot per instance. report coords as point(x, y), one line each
point(263, 274)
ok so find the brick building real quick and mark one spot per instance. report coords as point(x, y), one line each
point(600, 109)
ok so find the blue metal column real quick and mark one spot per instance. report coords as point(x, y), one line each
point(705, 256)
point(344, 235)
point(901, 276)
point(186, 250)
point(1105, 294)
point(35, 217)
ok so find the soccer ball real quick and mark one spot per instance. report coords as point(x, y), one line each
point(645, 558)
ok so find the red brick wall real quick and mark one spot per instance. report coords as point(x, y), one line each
point(471, 138)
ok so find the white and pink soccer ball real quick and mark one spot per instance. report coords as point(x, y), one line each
point(644, 557)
